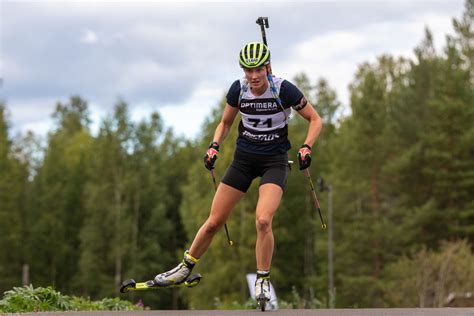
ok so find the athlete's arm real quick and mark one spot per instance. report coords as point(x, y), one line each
point(315, 123)
point(225, 124)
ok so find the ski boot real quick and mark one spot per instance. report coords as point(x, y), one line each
point(262, 291)
point(179, 274)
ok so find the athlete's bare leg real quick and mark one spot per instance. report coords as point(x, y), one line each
point(269, 199)
point(224, 201)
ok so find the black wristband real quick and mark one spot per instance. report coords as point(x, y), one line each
point(214, 145)
point(306, 145)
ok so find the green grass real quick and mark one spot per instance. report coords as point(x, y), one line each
point(40, 299)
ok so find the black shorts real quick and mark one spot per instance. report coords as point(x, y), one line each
point(246, 166)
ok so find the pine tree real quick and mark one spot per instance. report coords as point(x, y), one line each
point(56, 208)
point(13, 186)
point(103, 235)
point(365, 210)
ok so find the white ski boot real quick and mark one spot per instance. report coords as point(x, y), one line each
point(179, 274)
point(262, 291)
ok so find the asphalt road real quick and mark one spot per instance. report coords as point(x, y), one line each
point(282, 312)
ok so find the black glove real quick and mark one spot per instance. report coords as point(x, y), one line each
point(304, 156)
point(211, 155)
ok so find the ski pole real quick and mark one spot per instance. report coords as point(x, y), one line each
point(263, 22)
point(315, 198)
point(225, 224)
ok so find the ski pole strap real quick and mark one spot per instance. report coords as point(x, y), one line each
point(276, 96)
point(243, 88)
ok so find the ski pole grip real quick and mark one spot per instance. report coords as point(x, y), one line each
point(263, 21)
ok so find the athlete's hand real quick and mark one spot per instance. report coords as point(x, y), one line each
point(304, 156)
point(211, 155)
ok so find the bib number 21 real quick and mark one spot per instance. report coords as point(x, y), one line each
point(256, 122)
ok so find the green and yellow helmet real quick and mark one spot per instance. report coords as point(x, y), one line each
point(253, 55)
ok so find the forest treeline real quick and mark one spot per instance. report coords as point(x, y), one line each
point(87, 210)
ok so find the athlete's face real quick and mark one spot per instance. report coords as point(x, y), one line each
point(257, 78)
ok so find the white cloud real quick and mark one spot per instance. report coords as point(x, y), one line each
point(40, 128)
point(31, 109)
point(89, 37)
point(330, 45)
point(31, 114)
point(139, 72)
point(97, 114)
point(188, 118)
point(165, 55)
point(10, 68)
point(336, 55)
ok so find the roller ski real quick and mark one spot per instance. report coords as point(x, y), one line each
point(262, 292)
point(131, 285)
point(176, 277)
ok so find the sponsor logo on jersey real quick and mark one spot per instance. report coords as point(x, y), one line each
point(262, 138)
point(259, 105)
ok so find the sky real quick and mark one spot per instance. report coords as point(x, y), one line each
point(180, 57)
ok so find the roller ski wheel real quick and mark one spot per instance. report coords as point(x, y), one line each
point(193, 280)
point(262, 302)
point(128, 285)
point(131, 285)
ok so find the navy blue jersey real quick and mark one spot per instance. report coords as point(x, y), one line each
point(263, 128)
